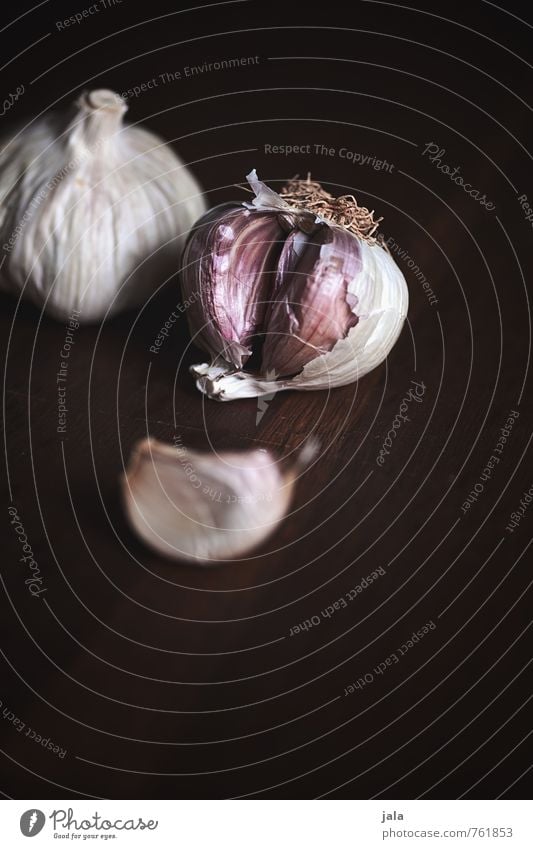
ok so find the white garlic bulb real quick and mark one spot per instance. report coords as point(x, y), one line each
point(206, 506)
point(93, 212)
point(303, 273)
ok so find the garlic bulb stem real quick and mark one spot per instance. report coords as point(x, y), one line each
point(97, 117)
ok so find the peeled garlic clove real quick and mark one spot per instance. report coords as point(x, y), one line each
point(229, 269)
point(313, 308)
point(206, 506)
point(93, 212)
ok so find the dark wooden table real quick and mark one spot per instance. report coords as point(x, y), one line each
point(161, 679)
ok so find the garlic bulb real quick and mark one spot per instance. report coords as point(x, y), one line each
point(92, 212)
point(206, 506)
point(304, 271)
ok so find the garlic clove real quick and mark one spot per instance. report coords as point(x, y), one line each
point(205, 506)
point(229, 271)
point(92, 211)
point(313, 308)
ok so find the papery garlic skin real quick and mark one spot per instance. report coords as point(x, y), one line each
point(204, 506)
point(337, 308)
point(93, 212)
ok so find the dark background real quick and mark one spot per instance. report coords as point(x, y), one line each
point(168, 680)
